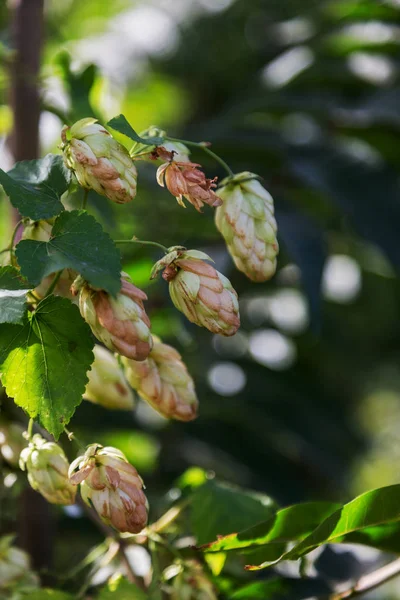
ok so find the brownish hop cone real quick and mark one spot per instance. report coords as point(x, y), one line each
point(99, 161)
point(164, 382)
point(107, 385)
point(203, 294)
point(121, 323)
point(47, 468)
point(112, 486)
point(247, 223)
point(185, 180)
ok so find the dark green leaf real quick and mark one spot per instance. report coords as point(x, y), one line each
point(36, 186)
point(288, 524)
point(79, 85)
point(44, 362)
point(122, 590)
point(218, 508)
point(380, 506)
point(121, 124)
point(78, 242)
point(280, 588)
point(13, 289)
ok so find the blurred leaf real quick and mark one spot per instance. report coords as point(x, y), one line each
point(36, 186)
point(44, 362)
point(121, 124)
point(77, 242)
point(379, 506)
point(13, 289)
point(139, 270)
point(288, 524)
point(140, 448)
point(121, 590)
point(219, 508)
point(280, 588)
point(79, 85)
point(192, 478)
point(47, 594)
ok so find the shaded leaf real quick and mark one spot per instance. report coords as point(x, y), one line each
point(77, 242)
point(121, 124)
point(36, 186)
point(122, 590)
point(218, 508)
point(44, 362)
point(280, 588)
point(13, 289)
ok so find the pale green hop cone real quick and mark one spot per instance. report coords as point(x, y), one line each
point(247, 223)
point(99, 161)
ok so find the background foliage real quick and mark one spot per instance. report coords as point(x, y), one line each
point(303, 403)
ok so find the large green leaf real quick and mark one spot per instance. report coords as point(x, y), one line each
point(377, 507)
point(36, 186)
point(77, 242)
point(287, 525)
point(218, 508)
point(121, 124)
point(13, 289)
point(44, 362)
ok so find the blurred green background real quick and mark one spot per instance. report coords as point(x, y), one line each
point(304, 402)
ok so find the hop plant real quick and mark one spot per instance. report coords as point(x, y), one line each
point(246, 221)
point(15, 570)
point(205, 296)
point(185, 180)
point(180, 151)
point(164, 382)
point(47, 468)
point(121, 323)
point(112, 486)
point(107, 385)
point(38, 230)
point(190, 582)
point(99, 161)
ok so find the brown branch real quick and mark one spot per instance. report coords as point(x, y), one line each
point(371, 581)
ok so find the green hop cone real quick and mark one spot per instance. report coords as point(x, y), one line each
point(164, 382)
point(15, 573)
point(190, 582)
point(121, 323)
point(107, 385)
point(99, 161)
point(112, 486)
point(47, 468)
point(205, 296)
point(246, 221)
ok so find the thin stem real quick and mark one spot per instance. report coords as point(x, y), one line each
point(53, 284)
point(371, 581)
point(85, 198)
point(30, 429)
point(170, 516)
point(148, 243)
point(205, 148)
point(72, 437)
point(14, 235)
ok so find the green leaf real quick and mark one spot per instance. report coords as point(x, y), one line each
point(121, 590)
point(218, 508)
point(13, 289)
point(78, 242)
point(380, 506)
point(48, 594)
point(44, 362)
point(288, 524)
point(280, 588)
point(121, 124)
point(36, 186)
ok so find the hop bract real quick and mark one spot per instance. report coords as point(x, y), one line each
point(121, 323)
point(247, 223)
point(205, 296)
point(15, 573)
point(38, 230)
point(190, 581)
point(112, 487)
point(164, 382)
point(47, 468)
point(107, 385)
point(99, 161)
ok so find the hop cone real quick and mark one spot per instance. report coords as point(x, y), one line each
point(145, 152)
point(47, 468)
point(15, 573)
point(205, 296)
point(121, 323)
point(164, 382)
point(98, 161)
point(246, 221)
point(112, 486)
point(192, 583)
point(107, 385)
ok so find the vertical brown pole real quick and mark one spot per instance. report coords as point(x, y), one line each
point(34, 518)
